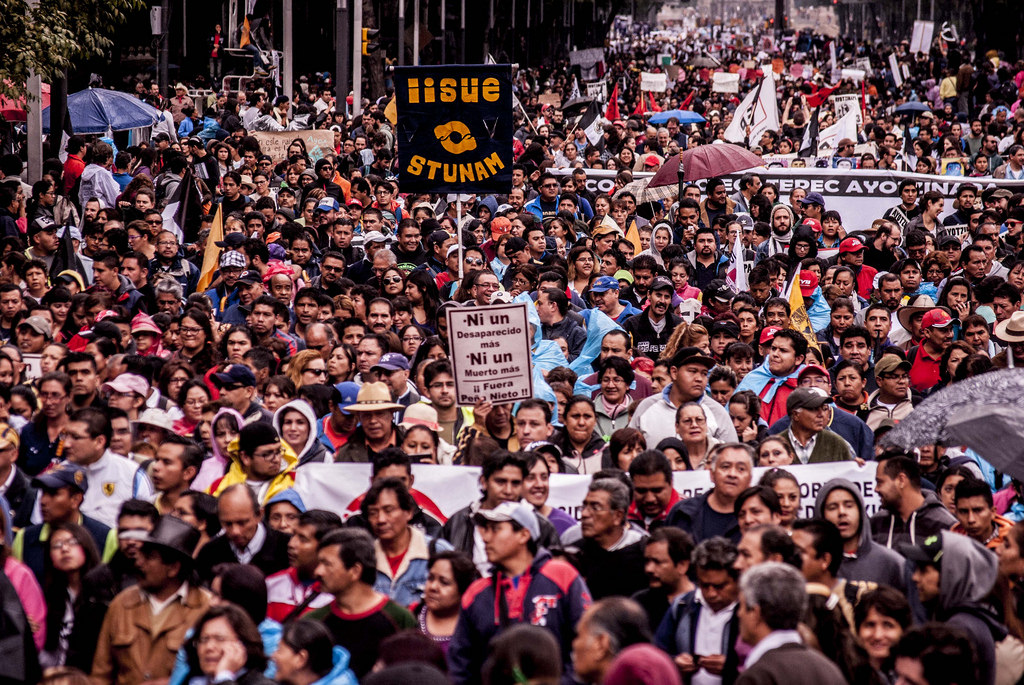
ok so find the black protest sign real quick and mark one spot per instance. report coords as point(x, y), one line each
point(454, 128)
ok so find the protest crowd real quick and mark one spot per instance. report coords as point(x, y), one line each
point(200, 339)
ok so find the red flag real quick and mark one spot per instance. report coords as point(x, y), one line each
point(641, 107)
point(611, 113)
point(654, 105)
point(686, 102)
point(818, 97)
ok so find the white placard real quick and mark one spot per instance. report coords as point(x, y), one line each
point(844, 103)
point(725, 83)
point(657, 83)
point(490, 353)
point(921, 38)
point(597, 90)
point(894, 67)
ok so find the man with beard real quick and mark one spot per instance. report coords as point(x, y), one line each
point(908, 513)
point(707, 265)
point(716, 203)
point(651, 329)
point(782, 220)
point(667, 564)
point(713, 513)
point(687, 218)
point(225, 294)
point(332, 268)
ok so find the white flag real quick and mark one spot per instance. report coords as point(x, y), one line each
point(574, 94)
point(759, 110)
point(737, 274)
point(846, 127)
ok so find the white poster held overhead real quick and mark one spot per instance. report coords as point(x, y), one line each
point(894, 67)
point(490, 353)
point(725, 83)
point(921, 38)
point(656, 83)
point(845, 103)
point(597, 90)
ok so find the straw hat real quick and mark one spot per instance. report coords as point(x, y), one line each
point(374, 397)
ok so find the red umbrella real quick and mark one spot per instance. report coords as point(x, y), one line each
point(12, 110)
point(706, 161)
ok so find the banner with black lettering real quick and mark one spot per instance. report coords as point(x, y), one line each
point(454, 128)
point(859, 195)
point(336, 487)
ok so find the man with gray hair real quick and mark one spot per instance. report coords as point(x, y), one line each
point(168, 294)
point(713, 513)
point(773, 599)
point(611, 553)
point(607, 628)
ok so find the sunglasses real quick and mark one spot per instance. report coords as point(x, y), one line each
point(473, 261)
point(393, 279)
point(318, 372)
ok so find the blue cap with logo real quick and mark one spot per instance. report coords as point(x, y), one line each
point(347, 394)
point(604, 284)
point(63, 475)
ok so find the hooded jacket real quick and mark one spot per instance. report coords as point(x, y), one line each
point(213, 467)
point(968, 572)
point(930, 518)
point(313, 451)
point(236, 474)
point(872, 564)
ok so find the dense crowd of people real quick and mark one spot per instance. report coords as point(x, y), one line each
point(300, 319)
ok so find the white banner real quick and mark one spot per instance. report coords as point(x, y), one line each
point(759, 112)
point(334, 486)
point(597, 90)
point(725, 83)
point(894, 67)
point(842, 104)
point(921, 38)
point(861, 194)
point(657, 83)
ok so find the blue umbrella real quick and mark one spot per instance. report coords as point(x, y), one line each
point(96, 110)
point(909, 107)
point(684, 117)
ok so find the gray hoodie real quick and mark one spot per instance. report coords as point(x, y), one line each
point(873, 564)
point(932, 516)
point(968, 572)
point(313, 450)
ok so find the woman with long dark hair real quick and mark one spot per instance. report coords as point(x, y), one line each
point(225, 639)
point(197, 341)
point(71, 628)
point(425, 299)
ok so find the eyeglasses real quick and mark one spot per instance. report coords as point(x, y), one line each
point(190, 330)
point(157, 222)
point(267, 454)
point(473, 261)
point(412, 338)
point(318, 372)
point(65, 544)
point(594, 507)
point(693, 421)
point(167, 243)
point(895, 377)
point(393, 279)
point(332, 269)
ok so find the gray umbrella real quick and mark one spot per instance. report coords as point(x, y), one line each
point(985, 413)
point(644, 193)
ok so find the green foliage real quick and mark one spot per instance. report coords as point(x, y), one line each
point(54, 35)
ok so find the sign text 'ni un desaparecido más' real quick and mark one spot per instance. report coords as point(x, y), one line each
point(454, 128)
point(490, 353)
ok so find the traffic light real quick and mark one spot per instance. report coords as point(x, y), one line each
point(369, 41)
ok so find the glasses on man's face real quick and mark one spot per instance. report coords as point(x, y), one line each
point(167, 243)
point(549, 185)
point(155, 222)
point(474, 261)
point(267, 454)
point(331, 269)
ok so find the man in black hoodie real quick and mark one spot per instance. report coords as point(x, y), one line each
point(866, 563)
point(908, 515)
point(954, 575)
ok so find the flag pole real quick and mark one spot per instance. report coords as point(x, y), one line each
point(458, 230)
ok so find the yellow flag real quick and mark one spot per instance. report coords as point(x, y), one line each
point(798, 319)
point(391, 112)
point(212, 254)
point(633, 236)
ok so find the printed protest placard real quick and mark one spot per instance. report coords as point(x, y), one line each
point(490, 353)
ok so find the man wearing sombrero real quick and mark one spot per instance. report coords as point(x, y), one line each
point(377, 428)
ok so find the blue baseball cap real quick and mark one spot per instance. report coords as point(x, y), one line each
point(392, 361)
point(604, 284)
point(236, 374)
point(63, 475)
point(347, 394)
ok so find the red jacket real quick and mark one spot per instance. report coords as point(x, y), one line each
point(73, 168)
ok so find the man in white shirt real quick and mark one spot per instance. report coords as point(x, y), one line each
point(113, 478)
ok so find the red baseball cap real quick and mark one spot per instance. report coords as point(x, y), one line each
point(814, 224)
point(808, 282)
point(936, 318)
point(851, 245)
point(768, 333)
point(813, 368)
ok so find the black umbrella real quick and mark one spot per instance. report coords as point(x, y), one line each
point(576, 107)
point(985, 413)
